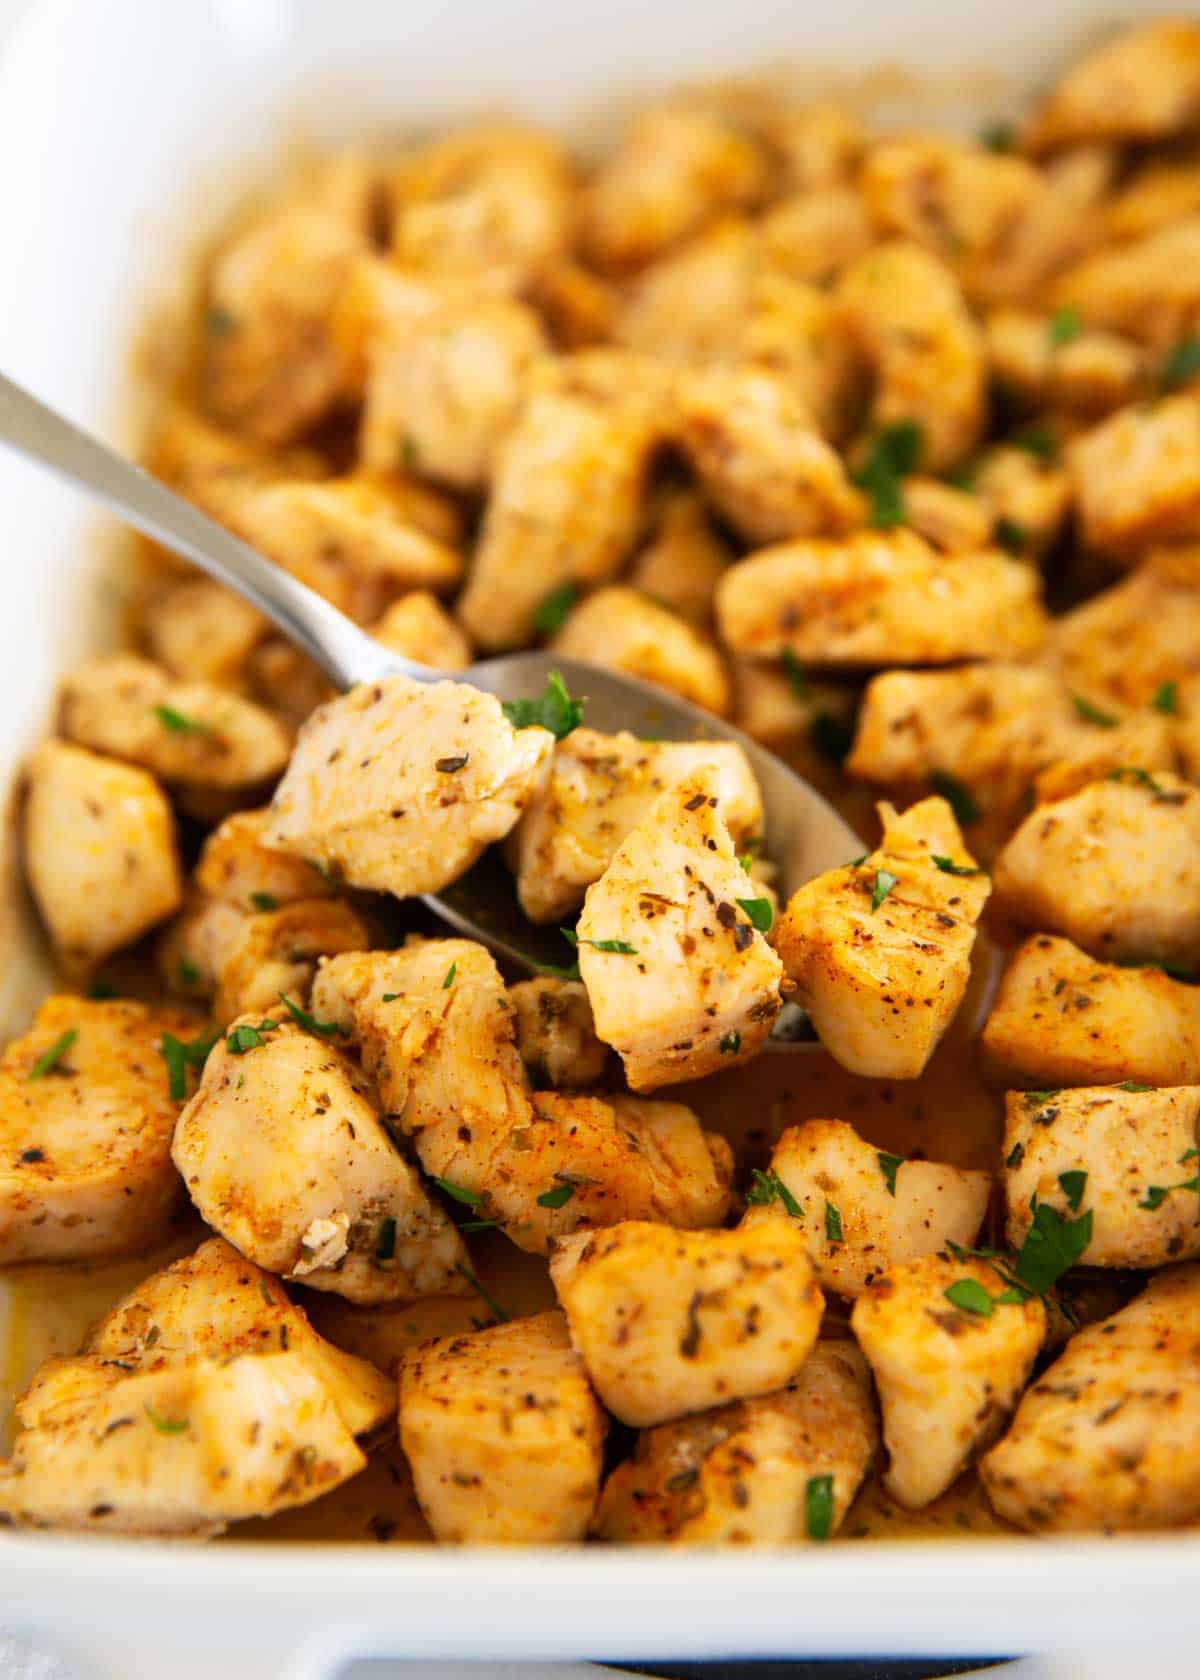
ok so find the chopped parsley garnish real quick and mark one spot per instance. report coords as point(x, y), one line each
point(219, 323)
point(165, 1426)
point(831, 736)
point(179, 723)
point(998, 137)
point(385, 1243)
point(970, 1296)
point(894, 453)
point(949, 867)
point(956, 794)
point(1015, 1155)
point(557, 973)
point(1072, 1184)
point(884, 882)
point(187, 972)
point(759, 912)
point(1051, 1247)
point(181, 1054)
point(1182, 363)
point(1166, 698)
point(48, 1061)
point(489, 1301)
point(458, 1192)
point(1065, 325)
point(1134, 1085)
point(615, 947)
point(818, 1507)
point(730, 1044)
point(409, 453)
point(246, 1037)
point(746, 860)
point(833, 1224)
point(553, 608)
point(1010, 535)
point(447, 982)
point(768, 1187)
point(889, 1166)
point(264, 901)
point(797, 680)
point(102, 990)
point(1093, 714)
point(1134, 773)
point(554, 709)
point(302, 1018)
point(1036, 440)
point(470, 1226)
point(557, 1197)
point(1156, 1194)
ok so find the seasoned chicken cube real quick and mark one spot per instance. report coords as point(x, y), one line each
point(1163, 189)
point(1060, 1017)
point(878, 598)
point(949, 1359)
point(681, 564)
point(813, 236)
point(180, 1451)
point(270, 367)
point(287, 681)
point(794, 714)
point(100, 851)
point(419, 627)
point(599, 789)
point(1142, 85)
point(441, 394)
point(760, 458)
point(690, 306)
point(85, 1132)
point(819, 144)
point(1126, 642)
point(191, 733)
point(900, 311)
point(880, 950)
point(236, 867)
point(1053, 362)
point(566, 506)
point(671, 946)
point(430, 774)
point(1114, 867)
point(863, 1210)
point(286, 1158)
point(438, 1036)
point(578, 307)
point(201, 632)
point(216, 1304)
point(953, 520)
point(774, 1470)
point(1023, 494)
point(556, 1036)
point(624, 630)
point(669, 1322)
point(676, 168)
point(1106, 1438)
point(1122, 1157)
point(1148, 289)
point(503, 1434)
point(1136, 476)
point(275, 952)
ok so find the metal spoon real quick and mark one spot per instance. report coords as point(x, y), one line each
point(804, 834)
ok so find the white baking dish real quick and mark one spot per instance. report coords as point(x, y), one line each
point(121, 122)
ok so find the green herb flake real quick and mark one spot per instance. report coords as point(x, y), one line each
point(969, 1295)
point(949, 867)
point(831, 736)
point(833, 1224)
point(1036, 440)
point(302, 1018)
point(1052, 1246)
point(1182, 363)
point(165, 1426)
point(615, 947)
point(554, 608)
point(730, 1044)
point(818, 1507)
point(957, 795)
point(385, 1243)
point(1065, 325)
point(470, 1226)
point(889, 1166)
point(558, 1197)
point(102, 990)
point(796, 676)
point(447, 982)
point(1010, 535)
point(894, 454)
point(1015, 1155)
point(219, 323)
point(768, 1187)
point(458, 1192)
point(1093, 714)
point(884, 882)
point(1072, 1184)
point(554, 709)
point(181, 1054)
point(246, 1038)
point(489, 1301)
point(569, 973)
point(264, 901)
point(1165, 699)
point(178, 723)
point(1135, 1086)
point(998, 137)
point(759, 912)
point(48, 1061)
point(186, 972)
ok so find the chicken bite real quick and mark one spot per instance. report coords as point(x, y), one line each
point(623, 630)
point(1054, 362)
point(669, 1322)
point(879, 598)
point(1146, 289)
point(881, 949)
point(275, 953)
point(419, 627)
point(600, 787)
point(85, 1132)
point(503, 1434)
point(1126, 642)
point(1136, 476)
point(237, 867)
point(566, 506)
point(430, 774)
point(1060, 1017)
point(671, 948)
point(100, 851)
point(286, 1158)
point(1106, 1438)
point(556, 1036)
point(950, 1361)
point(863, 1210)
point(1121, 1157)
point(192, 733)
point(1092, 866)
point(200, 631)
point(774, 1470)
point(1142, 85)
point(681, 564)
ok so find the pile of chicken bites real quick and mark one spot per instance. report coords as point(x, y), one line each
point(886, 447)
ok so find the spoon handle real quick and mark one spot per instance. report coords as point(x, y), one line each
point(346, 654)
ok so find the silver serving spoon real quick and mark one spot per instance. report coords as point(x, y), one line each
point(804, 834)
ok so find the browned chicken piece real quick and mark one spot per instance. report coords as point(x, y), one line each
point(100, 851)
point(346, 184)
point(1136, 476)
point(201, 632)
point(862, 1209)
point(271, 369)
point(192, 733)
point(556, 1036)
point(1114, 867)
point(236, 866)
point(776, 1470)
point(1146, 289)
point(287, 681)
point(195, 946)
point(814, 235)
point(1060, 1017)
point(438, 1037)
point(626, 631)
point(284, 1155)
point(576, 304)
point(690, 305)
point(1155, 193)
point(950, 1360)
point(757, 452)
point(214, 467)
point(880, 950)
point(503, 1434)
point(1022, 494)
point(951, 519)
point(675, 169)
point(441, 395)
point(1127, 642)
point(274, 952)
point(680, 566)
point(789, 330)
point(419, 627)
point(1142, 85)
point(819, 144)
point(85, 1132)
point(1121, 1157)
point(878, 598)
point(566, 507)
point(669, 1322)
point(789, 711)
point(1106, 1438)
point(1054, 362)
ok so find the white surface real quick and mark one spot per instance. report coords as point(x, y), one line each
point(116, 118)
